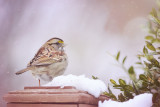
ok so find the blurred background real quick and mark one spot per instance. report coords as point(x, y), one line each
point(90, 28)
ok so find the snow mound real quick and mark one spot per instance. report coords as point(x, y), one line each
point(143, 100)
point(93, 87)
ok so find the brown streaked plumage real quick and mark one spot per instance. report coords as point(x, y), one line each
point(49, 61)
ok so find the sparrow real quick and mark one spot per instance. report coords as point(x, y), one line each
point(50, 61)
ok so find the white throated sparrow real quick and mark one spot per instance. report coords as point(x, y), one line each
point(49, 62)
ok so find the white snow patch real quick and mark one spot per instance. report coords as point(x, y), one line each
point(93, 87)
point(143, 100)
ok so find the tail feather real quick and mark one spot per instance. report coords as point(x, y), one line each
point(23, 70)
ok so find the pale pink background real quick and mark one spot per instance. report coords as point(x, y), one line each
point(91, 28)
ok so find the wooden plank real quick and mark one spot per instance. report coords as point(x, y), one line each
point(43, 98)
point(41, 105)
point(81, 98)
point(52, 95)
point(50, 87)
point(47, 91)
point(87, 105)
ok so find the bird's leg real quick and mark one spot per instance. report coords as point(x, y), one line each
point(39, 82)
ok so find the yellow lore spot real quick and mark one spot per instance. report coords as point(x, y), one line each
point(60, 41)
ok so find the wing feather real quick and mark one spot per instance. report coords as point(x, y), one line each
point(46, 55)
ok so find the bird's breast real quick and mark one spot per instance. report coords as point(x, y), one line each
point(47, 73)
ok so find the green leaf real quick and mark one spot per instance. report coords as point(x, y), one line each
point(113, 82)
point(140, 63)
point(117, 57)
point(149, 57)
point(139, 56)
point(142, 77)
point(154, 53)
point(155, 62)
point(117, 86)
point(122, 89)
point(124, 59)
point(154, 12)
point(110, 95)
point(131, 70)
point(106, 93)
point(145, 51)
point(148, 64)
point(110, 92)
point(154, 19)
point(144, 85)
point(113, 97)
point(121, 97)
point(150, 46)
point(94, 77)
point(156, 40)
point(122, 82)
point(152, 60)
point(132, 73)
point(129, 88)
point(135, 88)
point(128, 94)
point(149, 26)
point(139, 83)
point(149, 37)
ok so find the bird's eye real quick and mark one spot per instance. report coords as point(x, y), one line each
point(54, 43)
point(57, 43)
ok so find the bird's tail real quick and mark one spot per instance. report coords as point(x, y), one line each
point(23, 70)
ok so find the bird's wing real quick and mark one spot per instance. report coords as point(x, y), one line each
point(45, 56)
point(46, 61)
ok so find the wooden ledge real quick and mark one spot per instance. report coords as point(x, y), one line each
point(51, 95)
point(47, 87)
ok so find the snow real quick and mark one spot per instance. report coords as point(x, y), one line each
point(143, 100)
point(96, 87)
point(93, 87)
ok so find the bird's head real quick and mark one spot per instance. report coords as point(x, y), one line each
point(57, 43)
